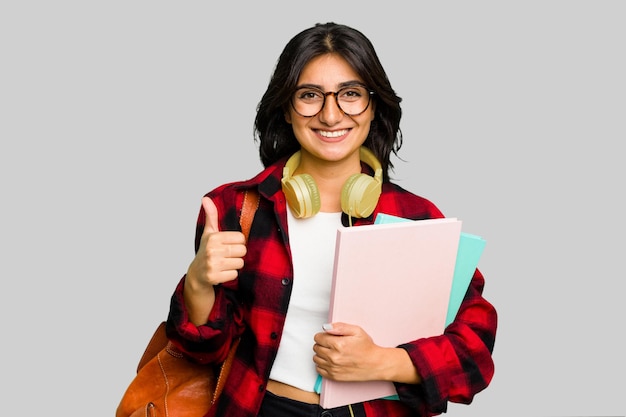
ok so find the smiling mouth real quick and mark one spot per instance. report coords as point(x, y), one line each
point(333, 134)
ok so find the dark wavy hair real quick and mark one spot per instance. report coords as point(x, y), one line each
point(276, 136)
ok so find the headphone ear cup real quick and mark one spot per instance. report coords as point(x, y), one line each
point(302, 195)
point(359, 195)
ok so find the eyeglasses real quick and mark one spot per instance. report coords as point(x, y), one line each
point(352, 100)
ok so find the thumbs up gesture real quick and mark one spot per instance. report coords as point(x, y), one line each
point(220, 254)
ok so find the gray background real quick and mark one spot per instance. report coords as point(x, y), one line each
point(116, 117)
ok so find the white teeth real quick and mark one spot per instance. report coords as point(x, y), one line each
point(334, 134)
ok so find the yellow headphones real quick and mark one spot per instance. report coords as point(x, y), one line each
point(359, 194)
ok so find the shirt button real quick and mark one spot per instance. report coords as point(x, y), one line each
point(285, 281)
point(260, 388)
point(274, 336)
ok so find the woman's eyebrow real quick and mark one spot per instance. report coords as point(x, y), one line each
point(341, 85)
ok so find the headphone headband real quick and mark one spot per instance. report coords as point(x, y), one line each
point(370, 159)
point(365, 155)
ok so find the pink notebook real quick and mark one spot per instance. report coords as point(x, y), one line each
point(394, 281)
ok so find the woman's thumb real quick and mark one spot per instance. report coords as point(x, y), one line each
point(211, 224)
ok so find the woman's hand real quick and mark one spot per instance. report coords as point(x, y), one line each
point(220, 254)
point(218, 259)
point(345, 352)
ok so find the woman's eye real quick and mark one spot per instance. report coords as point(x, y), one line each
point(310, 95)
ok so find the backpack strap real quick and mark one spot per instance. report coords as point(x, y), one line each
point(250, 204)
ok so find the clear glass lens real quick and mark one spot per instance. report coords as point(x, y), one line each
point(352, 100)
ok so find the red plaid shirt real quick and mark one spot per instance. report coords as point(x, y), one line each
point(454, 366)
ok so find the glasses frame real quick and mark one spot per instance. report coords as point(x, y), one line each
point(325, 94)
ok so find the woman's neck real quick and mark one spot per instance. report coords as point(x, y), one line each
point(330, 178)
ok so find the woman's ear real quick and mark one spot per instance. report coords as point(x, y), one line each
point(287, 116)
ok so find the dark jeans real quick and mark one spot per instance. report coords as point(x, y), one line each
point(275, 406)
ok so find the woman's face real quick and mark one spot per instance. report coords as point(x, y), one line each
point(330, 135)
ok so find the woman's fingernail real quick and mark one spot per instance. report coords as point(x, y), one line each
point(327, 326)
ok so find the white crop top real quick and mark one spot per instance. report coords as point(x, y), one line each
point(312, 242)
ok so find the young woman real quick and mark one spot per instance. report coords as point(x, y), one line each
point(327, 125)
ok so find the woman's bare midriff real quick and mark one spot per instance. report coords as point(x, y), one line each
point(291, 392)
